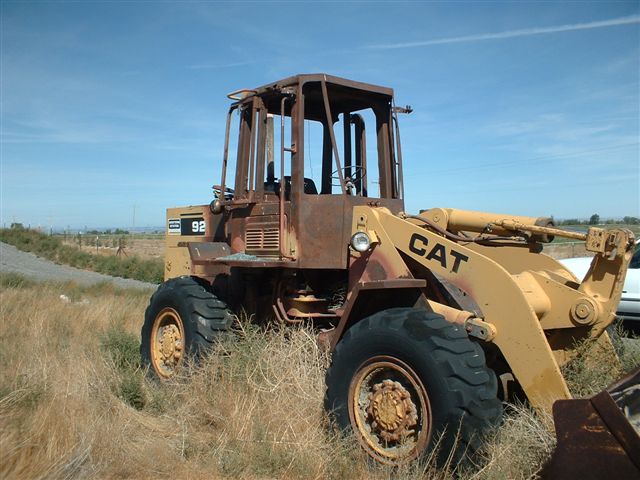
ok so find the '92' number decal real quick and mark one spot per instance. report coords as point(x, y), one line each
point(192, 226)
point(186, 226)
point(198, 226)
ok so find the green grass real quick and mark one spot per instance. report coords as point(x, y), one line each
point(15, 280)
point(123, 348)
point(52, 248)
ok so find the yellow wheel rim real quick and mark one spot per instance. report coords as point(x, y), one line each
point(167, 342)
point(390, 410)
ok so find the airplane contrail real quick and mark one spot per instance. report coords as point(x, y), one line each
point(614, 22)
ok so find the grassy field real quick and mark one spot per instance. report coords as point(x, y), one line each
point(144, 253)
point(74, 402)
point(145, 246)
point(569, 248)
point(131, 266)
point(583, 228)
point(152, 246)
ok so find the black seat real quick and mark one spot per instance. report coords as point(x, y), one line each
point(309, 187)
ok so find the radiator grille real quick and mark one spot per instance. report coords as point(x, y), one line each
point(262, 241)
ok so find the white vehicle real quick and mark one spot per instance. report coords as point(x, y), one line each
point(629, 306)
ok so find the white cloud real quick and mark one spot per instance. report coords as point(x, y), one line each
point(614, 22)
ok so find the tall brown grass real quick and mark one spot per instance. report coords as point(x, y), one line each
point(74, 402)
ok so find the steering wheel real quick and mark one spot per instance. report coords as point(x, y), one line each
point(217, 192)
point(358, 172)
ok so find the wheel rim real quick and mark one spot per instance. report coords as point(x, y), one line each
point(167, 342)
point(390, 410)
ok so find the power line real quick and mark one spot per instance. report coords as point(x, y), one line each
point(542, 159)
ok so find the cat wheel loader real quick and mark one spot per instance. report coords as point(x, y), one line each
point(431, 318)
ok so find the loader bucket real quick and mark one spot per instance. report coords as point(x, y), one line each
point(598, 437)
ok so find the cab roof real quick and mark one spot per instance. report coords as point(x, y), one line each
point(344, 95)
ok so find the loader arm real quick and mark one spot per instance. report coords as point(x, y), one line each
point(517, 305)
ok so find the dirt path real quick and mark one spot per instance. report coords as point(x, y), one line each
point(37, 268)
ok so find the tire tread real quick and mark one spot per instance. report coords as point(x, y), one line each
point(206, 317)
point(472, 385)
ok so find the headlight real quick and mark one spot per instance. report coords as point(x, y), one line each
point(360, 242)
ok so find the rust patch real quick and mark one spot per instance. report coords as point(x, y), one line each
point(595, 439)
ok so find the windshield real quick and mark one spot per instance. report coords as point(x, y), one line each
point(635, 260)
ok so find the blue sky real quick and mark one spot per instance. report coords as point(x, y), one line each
point(526, 108)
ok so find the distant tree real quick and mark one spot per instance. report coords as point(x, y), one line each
point(570, 221)
point(631, 220)
point(594, 219)
point(17, 226)
point(119, 231)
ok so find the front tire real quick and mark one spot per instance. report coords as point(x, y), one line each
point(406, 381)
point(183, 320)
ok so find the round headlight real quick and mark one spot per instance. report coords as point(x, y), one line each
point(360, 242)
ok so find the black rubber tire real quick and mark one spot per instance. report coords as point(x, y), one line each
point(205, 318)
point(461, 390)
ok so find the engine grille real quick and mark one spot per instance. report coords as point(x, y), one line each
point(262, 241)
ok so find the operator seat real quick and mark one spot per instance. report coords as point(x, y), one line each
point(309, 187)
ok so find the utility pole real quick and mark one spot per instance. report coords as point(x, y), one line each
point(133, 223)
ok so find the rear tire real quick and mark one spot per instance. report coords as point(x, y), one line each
point(406, 381)
point(183, 320)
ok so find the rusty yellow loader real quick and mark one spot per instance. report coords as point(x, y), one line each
point(433, 319)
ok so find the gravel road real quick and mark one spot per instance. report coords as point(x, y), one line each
point(32, 266)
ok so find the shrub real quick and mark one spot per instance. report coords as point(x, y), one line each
point(123, 348)
point(52, 248)
point(15, 280)
point(131, 389)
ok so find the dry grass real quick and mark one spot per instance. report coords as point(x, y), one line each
point(75, 404)
point(525, 440)
point(596, 366)
point(145, 248)
point(520, 448)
